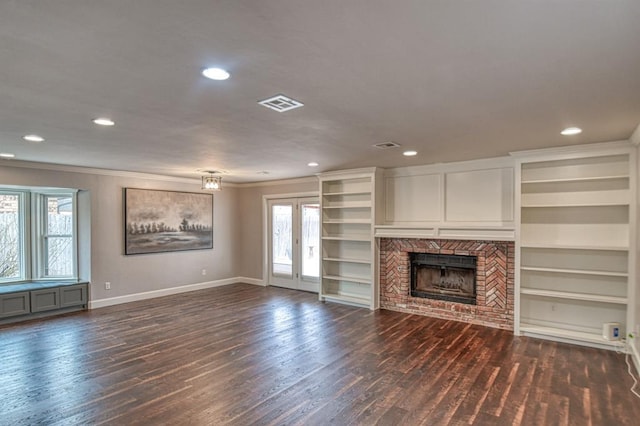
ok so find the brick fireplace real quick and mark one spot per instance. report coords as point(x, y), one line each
point(494, 280)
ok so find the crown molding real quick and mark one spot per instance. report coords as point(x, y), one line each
point(292, 181)
point(572, 149)
point(103, 172)
point(635, 136)
point(151, 176)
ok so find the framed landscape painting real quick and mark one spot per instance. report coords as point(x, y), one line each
point(160, 221)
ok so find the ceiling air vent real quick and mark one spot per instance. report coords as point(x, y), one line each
point(281, 103)
point(387, 145)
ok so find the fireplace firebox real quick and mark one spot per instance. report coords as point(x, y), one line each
point(444, 277)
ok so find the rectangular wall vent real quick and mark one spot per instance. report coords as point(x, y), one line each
point(281, 103)
point(387, 145)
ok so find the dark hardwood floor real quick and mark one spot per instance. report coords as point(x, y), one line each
point(247, 355)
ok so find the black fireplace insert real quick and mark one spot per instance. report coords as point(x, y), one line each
point(444, 277)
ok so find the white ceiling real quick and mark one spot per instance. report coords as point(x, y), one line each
point(452, 79)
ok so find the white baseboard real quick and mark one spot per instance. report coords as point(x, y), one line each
point(254, 281)
point(100, 303)
point(635, 355)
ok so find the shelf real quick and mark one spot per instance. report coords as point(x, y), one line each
point(347, 238)
point(577, 179)
point(359, 280)
point(574, 296)
point(337, 259)
point(352, 205)
point(346, 193)
point(561, 205)
point(361, 301)
point(570, 247)
point(338, 221)
point(612, 234)
point(575, 271)
point(567, 334)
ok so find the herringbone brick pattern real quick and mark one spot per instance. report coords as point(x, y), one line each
point(494, 280)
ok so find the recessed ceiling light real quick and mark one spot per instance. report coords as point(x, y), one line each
point(33, 138)
point(216, 73)
point(6, 155)
point(104, 121)
point(312, 164)
point(410, 153)
point(571, 131)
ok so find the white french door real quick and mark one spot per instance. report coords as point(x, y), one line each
point(294, 243)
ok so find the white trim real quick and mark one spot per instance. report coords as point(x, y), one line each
point(152, 176)
point(491, 233)
point(350, 173)
point(635, 136)
point(253, 281)
point(265, 226)
point(101, 303)
point(635, 355)
point(104, 172)
point(292, 181)
point(587, 150)
point(495, 163)
point(290, 195)
point(610, 346)
point(266, 232)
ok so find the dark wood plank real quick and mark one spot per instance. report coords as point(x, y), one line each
point(242, 355)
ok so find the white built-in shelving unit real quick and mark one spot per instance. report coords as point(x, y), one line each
point(575, 248)
point(349, 253)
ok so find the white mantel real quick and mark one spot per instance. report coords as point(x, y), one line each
point(502, 233)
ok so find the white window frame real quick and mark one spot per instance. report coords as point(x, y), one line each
point(32, 220)
point(40, 235)
point(23, 235)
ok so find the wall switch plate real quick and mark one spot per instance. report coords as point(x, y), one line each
point(204, 272)
point(107, 285)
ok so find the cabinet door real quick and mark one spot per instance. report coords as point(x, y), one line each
point(73, 295)
point(13, 304)
point(45, 300)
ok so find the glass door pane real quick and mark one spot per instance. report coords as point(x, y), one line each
point(310, 240)
point(282, 239)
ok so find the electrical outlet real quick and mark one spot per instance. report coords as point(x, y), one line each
point(553, 307)
point(107, 285)
point(204, 272)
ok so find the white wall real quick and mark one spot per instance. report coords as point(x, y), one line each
point(128, 275)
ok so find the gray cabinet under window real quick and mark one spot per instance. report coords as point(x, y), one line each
point(30, 300)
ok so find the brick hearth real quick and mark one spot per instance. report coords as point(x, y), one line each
point(494, 280)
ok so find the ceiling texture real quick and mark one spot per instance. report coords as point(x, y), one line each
point(454, 80)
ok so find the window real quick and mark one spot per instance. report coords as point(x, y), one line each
point(11, 236)
point(37, 235)
point(56, 238)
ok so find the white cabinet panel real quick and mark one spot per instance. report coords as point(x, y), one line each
point(412, 198)
point(479, 196)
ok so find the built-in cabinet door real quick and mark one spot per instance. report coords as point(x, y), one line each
point(45, 299)
point(13, 304)
point(294, 242)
